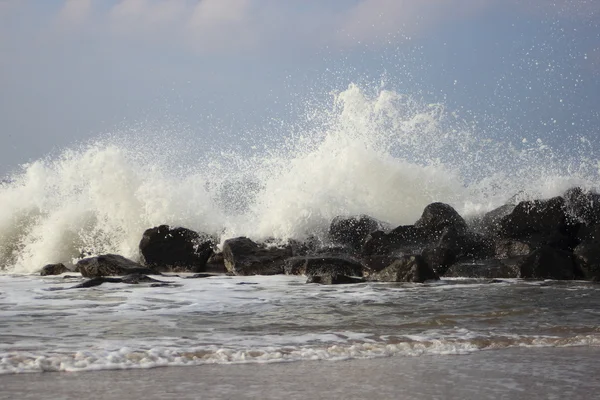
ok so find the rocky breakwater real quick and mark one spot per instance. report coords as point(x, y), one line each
point(556, 238)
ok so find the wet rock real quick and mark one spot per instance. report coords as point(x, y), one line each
point(132, 279)
point(489, 269)
point(437, 217)
point(587, 258)
point(489, 224)
point(53, 269)
point(455, 245)
point(242, 256)
point(508, 248)
point(406, 269)
point(582, 205)
point(549, 263)
point(323, 265)
point(535, 217)
point(110, 265)
point(351, 231)
point(334, 279)
point(168, 249)
point(403, 239)
point(216, 263)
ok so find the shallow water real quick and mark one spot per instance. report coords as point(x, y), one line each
point(280, 318)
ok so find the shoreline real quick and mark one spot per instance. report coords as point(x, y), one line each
point(517, 373)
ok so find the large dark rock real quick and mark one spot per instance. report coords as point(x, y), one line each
point(549, 263)
point(456, 244)
point(405, 239)
point(535, 217)
point(323, 265)
point(406, 269)
point(53, 269)
point(582, 205)
point(489, 224)
point(242, 256)
point(167, 249)
point(110, 265)
point(587, 258)
point(351, 231)
point(437, 217)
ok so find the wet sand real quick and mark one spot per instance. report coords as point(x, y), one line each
point(549, 373)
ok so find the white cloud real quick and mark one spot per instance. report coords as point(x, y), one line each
point(75, 12)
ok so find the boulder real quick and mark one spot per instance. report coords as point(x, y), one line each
point(437, 217)
point(406, 269)
point(549, 263)
point(332, 265)
point(334, 279)
point(489, 224)
point(535, 217)
point(583, 206)
point(401, 240)
point(351, 231)
point(167, 249)
point(587, 258)
point(53, 269)
point(110, 265)
point(216, 263)
point(242, 256)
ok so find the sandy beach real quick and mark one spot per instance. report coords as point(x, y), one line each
point(549, 373)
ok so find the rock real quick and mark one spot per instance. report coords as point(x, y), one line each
point(454, 245)
point(334, 279)
point(132, 279)
point(406, 269)
point(53, 269)
point(489, 269)
point(489, 224)
point(351, 231)
point(167, 249)
point(242, 256)
point(437, 217)
point(535, 217)
point(110, 264)
point(587, 258)
point(508, 248)
point(548, 263)
point(216, 263)
point(323, 265)
point(584, 206)
point(403, 239)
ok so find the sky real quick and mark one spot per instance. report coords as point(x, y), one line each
point(72, 70)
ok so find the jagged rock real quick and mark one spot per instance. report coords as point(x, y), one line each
point(323, 265)
point(351, 231)
point(53, 269)
point(406, 269)
point(489, 224)
point(334, 279)
point(403, 239)
point(437, 217)
point(110, 264)
point(584, 206)
point(549, 263)
point(167, 249)
point(242, 256)
point(587, 258)
point(535, 217)
point(455, 245)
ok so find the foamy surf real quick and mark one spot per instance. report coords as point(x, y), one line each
point(371, 151)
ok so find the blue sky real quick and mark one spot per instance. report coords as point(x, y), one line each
point(73, 69)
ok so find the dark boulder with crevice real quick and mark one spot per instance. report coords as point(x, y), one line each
point(243, 256)
point(168, 248)
point(54, 269)
point(110, 265)
point(436, 218)
point(549, 263)
point(410, 268)
point(351, 231)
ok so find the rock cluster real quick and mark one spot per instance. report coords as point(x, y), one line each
point(557, 238)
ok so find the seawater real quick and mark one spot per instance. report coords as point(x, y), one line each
point(369, 151)
point(230, 320)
